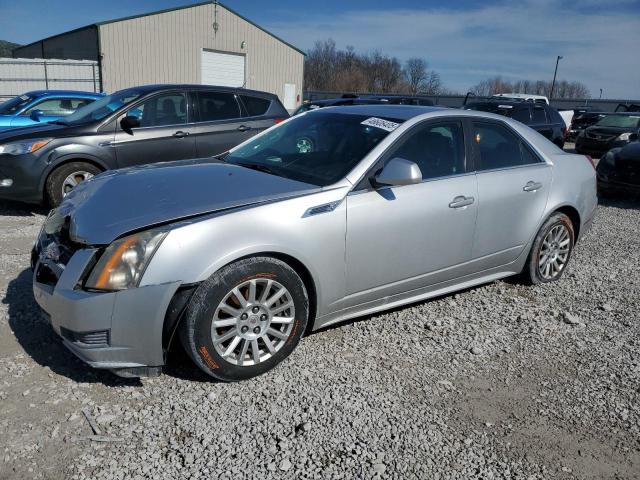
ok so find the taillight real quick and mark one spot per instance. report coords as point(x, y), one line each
point(278, 120)
point(591, 160)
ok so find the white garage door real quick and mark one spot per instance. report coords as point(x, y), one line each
point(222, 69)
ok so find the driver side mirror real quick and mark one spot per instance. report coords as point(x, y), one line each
point(129, 122)
point(36, 114)
point(397, 172)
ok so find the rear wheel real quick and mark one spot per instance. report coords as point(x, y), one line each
point(64, 178)
point(551, 250)
point(245, 319)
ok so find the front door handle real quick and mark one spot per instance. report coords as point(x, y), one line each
point(461, 201)
point(532, 186)
point(243, 128)
point(180, 134)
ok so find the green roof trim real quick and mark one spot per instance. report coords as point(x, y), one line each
point(200, 4)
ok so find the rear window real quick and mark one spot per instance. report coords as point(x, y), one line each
point(255, 106)
point(539, 116)
point(620, 121)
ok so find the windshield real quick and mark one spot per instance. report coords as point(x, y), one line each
point(621, 121)
point(103, 107)
point(13, 106)
point(319, 147)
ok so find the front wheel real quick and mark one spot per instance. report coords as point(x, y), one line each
point(64, 178)
point(245, 319)
point(551, 250)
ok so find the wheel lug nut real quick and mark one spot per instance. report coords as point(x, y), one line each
point(256, 330)
point(263, 317)
point(255, 309)
point(243, 316)
point(244, 329)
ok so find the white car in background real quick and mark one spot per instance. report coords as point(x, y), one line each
point(567, 115)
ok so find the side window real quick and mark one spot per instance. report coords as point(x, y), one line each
point(499, 147)
point(53, 106)
point(539, 115)
point(255, 106)
point(217, 106)
point(161, 110)
point(437, 148)
point(522, 115)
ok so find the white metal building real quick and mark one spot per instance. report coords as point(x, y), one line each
point(204, 43)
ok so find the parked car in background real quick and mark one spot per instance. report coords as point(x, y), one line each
point(523, 96)
point(627, 107)
point(619, 170)
point(337, 102)
point(153, 123)
point(41, 106)
point(613, 130)
point(584, 117)
point(403, 100)
point(539, 116)
point(237, 257)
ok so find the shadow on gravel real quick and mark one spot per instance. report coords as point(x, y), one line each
point(619, 201)
point(16, 209)
point(39, 341)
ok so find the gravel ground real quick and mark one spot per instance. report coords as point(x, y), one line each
point(499, 381)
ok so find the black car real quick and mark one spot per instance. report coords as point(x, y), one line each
point(584, 118)
point(619, 170)
point(402, 100)
point(539, 116)
point(153, 123)
point(611, 131)
point(336, 102)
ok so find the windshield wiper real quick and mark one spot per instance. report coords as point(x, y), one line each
point(59, 122)
point(258, 166)
point(222, 157)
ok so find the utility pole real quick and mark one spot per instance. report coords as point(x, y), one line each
point(553, 84)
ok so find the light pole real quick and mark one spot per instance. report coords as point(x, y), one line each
point(600, 94)
point(553, 84)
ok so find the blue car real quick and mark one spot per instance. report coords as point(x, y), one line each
point(41, 106)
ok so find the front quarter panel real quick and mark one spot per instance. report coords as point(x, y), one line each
point(195, 249)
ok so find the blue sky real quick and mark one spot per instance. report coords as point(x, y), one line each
point(466, 41)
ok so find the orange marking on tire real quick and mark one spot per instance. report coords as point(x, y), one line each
point(204, 353)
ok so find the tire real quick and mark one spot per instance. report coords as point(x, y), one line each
point(57, 180)
point(215, 300)
point(535, 271)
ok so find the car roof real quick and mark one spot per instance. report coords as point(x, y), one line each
point(186, 86)
point(42, 93)
point(503, 101)
point(400, 112)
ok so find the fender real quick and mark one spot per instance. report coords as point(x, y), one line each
point(54, 161)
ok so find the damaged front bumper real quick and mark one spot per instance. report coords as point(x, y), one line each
point(121, 331)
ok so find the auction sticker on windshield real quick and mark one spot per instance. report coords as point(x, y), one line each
point(380, 123)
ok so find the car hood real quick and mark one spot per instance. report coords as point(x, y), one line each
point(38, 130)
point(117, 202)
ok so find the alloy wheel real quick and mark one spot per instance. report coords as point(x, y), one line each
point(252, 322)
point(73, 180)
point(554, 252)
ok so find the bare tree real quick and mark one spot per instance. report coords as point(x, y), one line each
point(415, 72)
point(563, 89)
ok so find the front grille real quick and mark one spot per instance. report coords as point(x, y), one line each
point(599, 136)
point(97, 338)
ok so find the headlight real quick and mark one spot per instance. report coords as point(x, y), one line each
point(124, 261)
point(623, 137)
point(25, 146)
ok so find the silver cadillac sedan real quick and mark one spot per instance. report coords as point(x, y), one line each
point(333, 214)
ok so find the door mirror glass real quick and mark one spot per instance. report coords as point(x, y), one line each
point(129, 122)
point(36, 114)
point(399, 171)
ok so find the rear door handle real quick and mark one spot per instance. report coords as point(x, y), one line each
point(461, 201)
point(532, 186)
point(180, 134)
point(243, 128)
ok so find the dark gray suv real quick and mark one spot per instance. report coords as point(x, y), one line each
point(148, 124)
